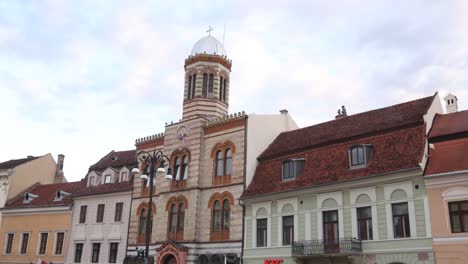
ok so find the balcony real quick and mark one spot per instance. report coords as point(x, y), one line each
point(327, 248)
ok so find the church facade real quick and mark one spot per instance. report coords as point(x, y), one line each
point(197, 218)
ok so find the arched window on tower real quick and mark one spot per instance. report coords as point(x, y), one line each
point(193, 85)
point(189, 90)
point(142, 226)
point(205, 84)
point(221, 88)
point(222, 157)
point(210, 86)
point(224, 91)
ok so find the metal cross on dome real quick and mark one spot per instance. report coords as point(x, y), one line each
point(209, 30)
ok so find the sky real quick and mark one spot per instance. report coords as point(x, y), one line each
point(82, 78)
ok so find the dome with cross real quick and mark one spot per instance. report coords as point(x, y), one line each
point(208, 45)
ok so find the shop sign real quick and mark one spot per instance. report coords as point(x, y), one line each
point(273, 261)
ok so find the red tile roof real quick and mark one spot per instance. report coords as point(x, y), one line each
point(348, 127)
point(448, 156)
point(105, 188)
point(46, 195)
point(449, 124)
point(397, 134)
point(115, 159)
point(15, 162)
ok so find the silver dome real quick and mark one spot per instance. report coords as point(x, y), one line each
point(208, 45)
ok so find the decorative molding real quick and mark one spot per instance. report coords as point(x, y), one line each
point(177, 200)
point(221, 197)
point(223, 60)
point(144, 205)
point(223, 146)
point(455, 193)
point(226, 122)
point(150, 141)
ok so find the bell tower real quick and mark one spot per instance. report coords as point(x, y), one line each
point(206, 89)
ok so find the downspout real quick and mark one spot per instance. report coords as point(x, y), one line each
point(129, 217)
point(245, 183)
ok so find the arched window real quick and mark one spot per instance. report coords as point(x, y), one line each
point(142, 225)
point(228, 160)
point(224, 91)
point(173, 219)
point(220, 205)
point(219, 164)
point(205, 84)
point(216, 217)
point(180, 162)
point(226, 214)
point(189, 90)
point(222, 154)
point(193, 85)
point(184, 167)
point(210, 86)
point(176, 221)
point(221, 88)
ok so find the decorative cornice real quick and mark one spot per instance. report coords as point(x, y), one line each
point(150, 141)
point(223, 60)
point(225, 122)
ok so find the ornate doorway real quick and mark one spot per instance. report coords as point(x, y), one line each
point(170, 260)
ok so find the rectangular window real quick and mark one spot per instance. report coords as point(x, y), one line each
point(118, 212)
point(83, 210)
point(262, 230)
point(96, 249)
point(100, 213)
point(292, 168)
point(59, 243)
point(113, 252)
point(24, 243)
point(124, 176)
point(91, 181)
point(43, 243)
point(364, 219)
point(9, 243)
point(459, 216)
point(401, 225)
point(288, 229)
point(78, 252)
point(107, 179)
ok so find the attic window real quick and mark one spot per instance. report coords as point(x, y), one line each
point(292, 168)
point(360, 155)
point(28, 197)
point(59, 195)
point(107, 178)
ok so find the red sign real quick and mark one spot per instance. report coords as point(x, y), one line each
point(272, 261)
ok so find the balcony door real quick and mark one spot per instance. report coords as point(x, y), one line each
point(330, 232)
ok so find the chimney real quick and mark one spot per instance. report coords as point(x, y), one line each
point(284, 112)
point(341, 113)
point(59, 170)
point(451, 103)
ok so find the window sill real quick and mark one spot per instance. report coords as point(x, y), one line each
point(356, 167)
point(288, 179)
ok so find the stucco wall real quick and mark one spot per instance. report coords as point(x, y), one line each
point(34, 223)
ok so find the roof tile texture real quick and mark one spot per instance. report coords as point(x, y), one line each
point(449, 124)
point(448, 156)
point(115, 159)
point(15, 162)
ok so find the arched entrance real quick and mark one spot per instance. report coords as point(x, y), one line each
point(170, 259)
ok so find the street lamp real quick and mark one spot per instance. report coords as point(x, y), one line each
point(149, 161)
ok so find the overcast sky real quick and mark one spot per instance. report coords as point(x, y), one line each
point(83, 78)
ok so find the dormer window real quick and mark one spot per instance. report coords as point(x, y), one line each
point(28, 197)
point(292, 168)
point(360, 155)
point(107, 178)
point(59, 195)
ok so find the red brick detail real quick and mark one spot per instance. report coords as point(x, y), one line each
point(208, 58)
point(144, 205)
point(150, 144)
point(223, 147)
point(225, 126)
point(177, 200)
point(221, 197)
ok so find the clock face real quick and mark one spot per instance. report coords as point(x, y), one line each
point(182, 134)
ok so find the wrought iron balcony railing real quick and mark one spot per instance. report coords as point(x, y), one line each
point(327, 247)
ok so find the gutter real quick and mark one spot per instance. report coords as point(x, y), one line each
point(451, 173)
point(245, 186)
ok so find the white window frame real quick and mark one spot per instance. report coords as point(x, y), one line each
point(294, 162)
point(105, 178)
point(39, 243)
point(280, 205)
point(21, 243)
point(354, 194)
point(408, 188)
point(255, 208)
point(55, 242)
point(338, 197)
point(6, 243)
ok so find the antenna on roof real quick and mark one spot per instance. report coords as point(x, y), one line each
point(224, 32)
